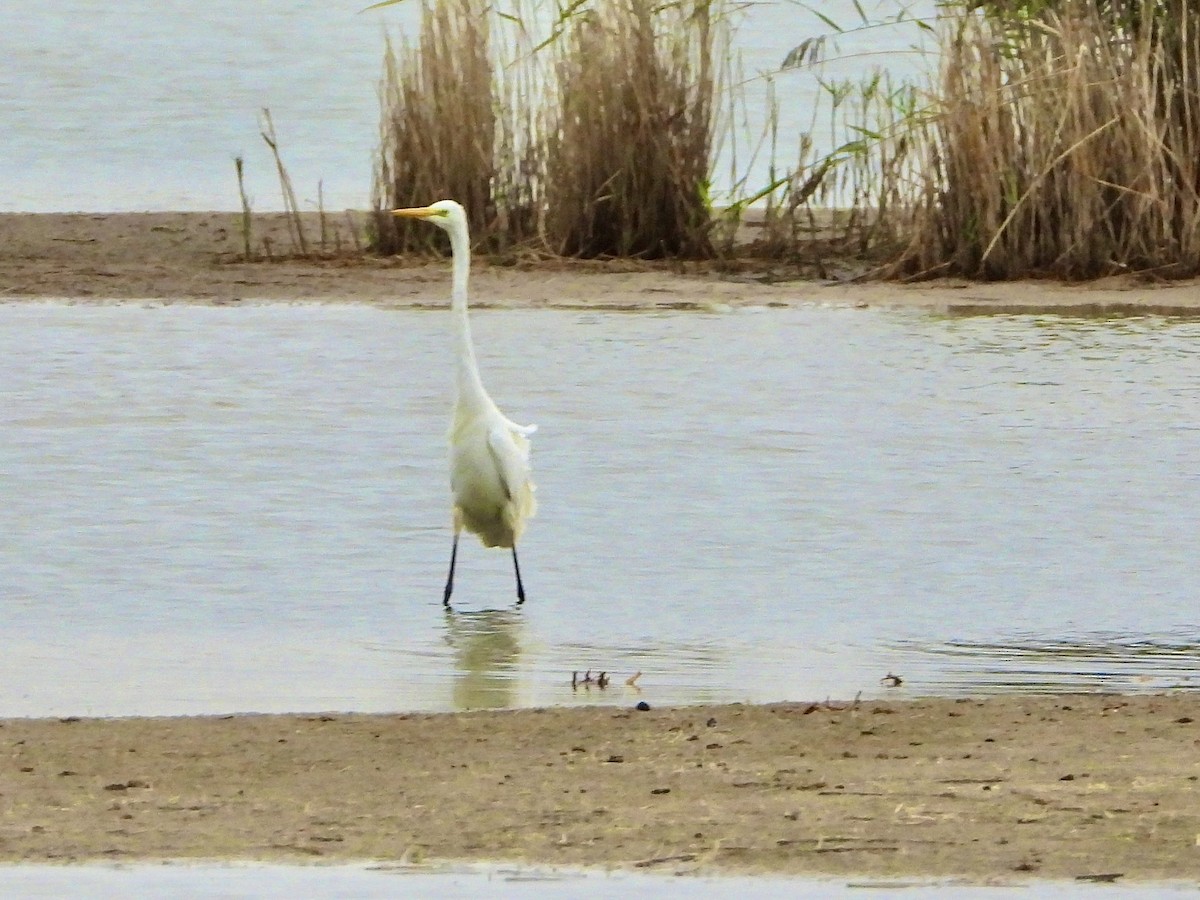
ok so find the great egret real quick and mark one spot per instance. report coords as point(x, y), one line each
point(489, 453)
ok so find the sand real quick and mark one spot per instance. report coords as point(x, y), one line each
point(195, 257)
point(1091, 787)
point(1063, 787)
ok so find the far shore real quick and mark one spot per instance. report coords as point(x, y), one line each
point(196, 257)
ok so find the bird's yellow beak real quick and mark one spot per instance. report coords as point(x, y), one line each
point(416, 212)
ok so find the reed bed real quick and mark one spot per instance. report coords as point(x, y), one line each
point(584, 131)
point(1057, 139)
point(589, 130)
point(438, 136)
point(629, 159)
point(1065, 143)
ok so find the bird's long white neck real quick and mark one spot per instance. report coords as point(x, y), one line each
point(470, 385)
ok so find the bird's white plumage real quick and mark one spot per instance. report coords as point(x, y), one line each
point(490, 477)
point(489, 453)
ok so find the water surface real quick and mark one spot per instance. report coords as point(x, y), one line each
point(512, 883)
point(214, 509)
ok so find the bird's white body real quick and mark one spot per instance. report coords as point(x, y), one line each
point(489, 474)
point(489, 454)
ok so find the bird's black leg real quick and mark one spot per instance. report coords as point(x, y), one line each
point(517, 569)
point(450, 577)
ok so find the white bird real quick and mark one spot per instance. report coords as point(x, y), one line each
point(489, 453)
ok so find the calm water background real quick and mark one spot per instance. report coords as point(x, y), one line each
point(143, 105)
point(210, 509)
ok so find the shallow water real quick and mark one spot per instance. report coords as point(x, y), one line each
point(362, 882)
point(213, 510)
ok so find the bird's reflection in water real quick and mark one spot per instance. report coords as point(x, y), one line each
point(487, 652)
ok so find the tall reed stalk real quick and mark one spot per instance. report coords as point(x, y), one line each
point(239, 164)
point(291, 207)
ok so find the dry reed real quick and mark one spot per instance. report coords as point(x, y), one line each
point(247, 217)
point(628, 163)
point(293, 218)
point(439, 124)
point(290, 206)
point(594, 139)
point(1066, 143)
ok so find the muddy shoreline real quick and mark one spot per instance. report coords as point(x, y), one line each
point(195, 257)
point(1065, 787)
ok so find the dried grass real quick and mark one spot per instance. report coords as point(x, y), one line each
point(1059, 140)
point(628, 163)
point(438, 136)
point(1065, 143)
point(594, 141)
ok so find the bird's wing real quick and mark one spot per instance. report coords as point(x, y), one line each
point(510, 451)
point(523, 430)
